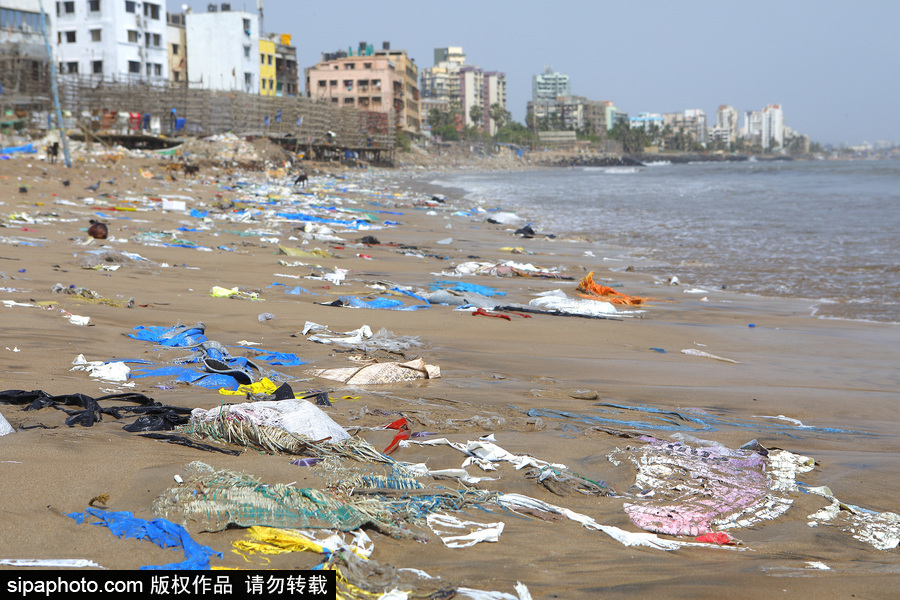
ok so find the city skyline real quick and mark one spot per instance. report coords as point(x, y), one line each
point(828, 65)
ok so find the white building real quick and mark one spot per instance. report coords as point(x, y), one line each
point(551, 85)
point(493, 92)
point(727, 123)
point(441, 81)
point(223, 50)
point(122, 40)
point(772, 127)
point(647, 121)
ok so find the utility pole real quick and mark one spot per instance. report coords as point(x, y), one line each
point(59, 121)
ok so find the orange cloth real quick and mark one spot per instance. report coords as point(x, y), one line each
point(597, 291)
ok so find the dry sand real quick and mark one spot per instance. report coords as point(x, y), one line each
point(826, 374)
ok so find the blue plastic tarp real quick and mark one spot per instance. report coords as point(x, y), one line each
point(462, 286)
point(161, 532)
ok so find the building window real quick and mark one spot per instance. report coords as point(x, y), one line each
point(175, 49)
point(270, 60)
point(97, 66)
point(247, 26)
point(367, 65)
point(134, 36)
point(348, 83)
point(322, 83)
point(333, 83)
point(151, 10)
point(130, 6)
point(65, 8)
point(134, 67)
point(157, 70)
point(68, 36)
point(248, 79)
point(349, 66)
point(157, 40)
point(96, 35)
point(262, 58)
point(94, 5)
point(348, 100)
point(176, 76)
point(246, 51)
point(72, 67)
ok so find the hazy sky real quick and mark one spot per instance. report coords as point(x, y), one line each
point(833, 65)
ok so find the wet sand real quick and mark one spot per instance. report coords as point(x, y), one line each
point(824, 374)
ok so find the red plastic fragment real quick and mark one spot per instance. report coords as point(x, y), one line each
point(483, 312)
point(403, 434)
point(718, 537)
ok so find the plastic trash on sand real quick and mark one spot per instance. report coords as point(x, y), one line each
point(572, 306)
point(387, 372)
point(695, 491)
point(5, 427)
point(880, 529)
point(294, 416)
point(702, 354)
point(361, 338)
point(114, 371)
point(456, 533)
point(163, 533)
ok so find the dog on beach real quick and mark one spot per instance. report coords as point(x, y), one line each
point(53, 152)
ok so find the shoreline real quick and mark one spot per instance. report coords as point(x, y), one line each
point(526, 380)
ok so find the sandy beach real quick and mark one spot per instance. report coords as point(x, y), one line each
point(599, 398)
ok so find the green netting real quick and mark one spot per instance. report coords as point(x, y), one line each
point(217, 499)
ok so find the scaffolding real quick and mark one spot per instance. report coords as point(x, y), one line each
point(102, 108)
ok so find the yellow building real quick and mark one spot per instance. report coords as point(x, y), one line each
point(267, 72)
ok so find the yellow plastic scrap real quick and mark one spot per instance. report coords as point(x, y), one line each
point(296, 252)
point(221, 292)
point(270, 540)
point(263, 386)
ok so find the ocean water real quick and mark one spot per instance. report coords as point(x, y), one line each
point(827, 231)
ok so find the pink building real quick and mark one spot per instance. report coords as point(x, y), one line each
point(381, 80)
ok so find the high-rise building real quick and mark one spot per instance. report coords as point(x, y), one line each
point(378, 80)
point(772, 127)
point(550, 85)
point(115, 41)
point(727, 122)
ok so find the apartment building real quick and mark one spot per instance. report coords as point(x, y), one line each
point(24, 66)
point(378, 80)
point(286, 73)
point(115, 40)
point(176, 43)
point(772, 133)
point(224, 49)
point(441, 82)
point(267, 71)
point(727, 123)
point(551, 85)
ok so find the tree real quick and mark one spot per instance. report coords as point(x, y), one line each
point(633, 139)
point(499, 115)
point(476, 114)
